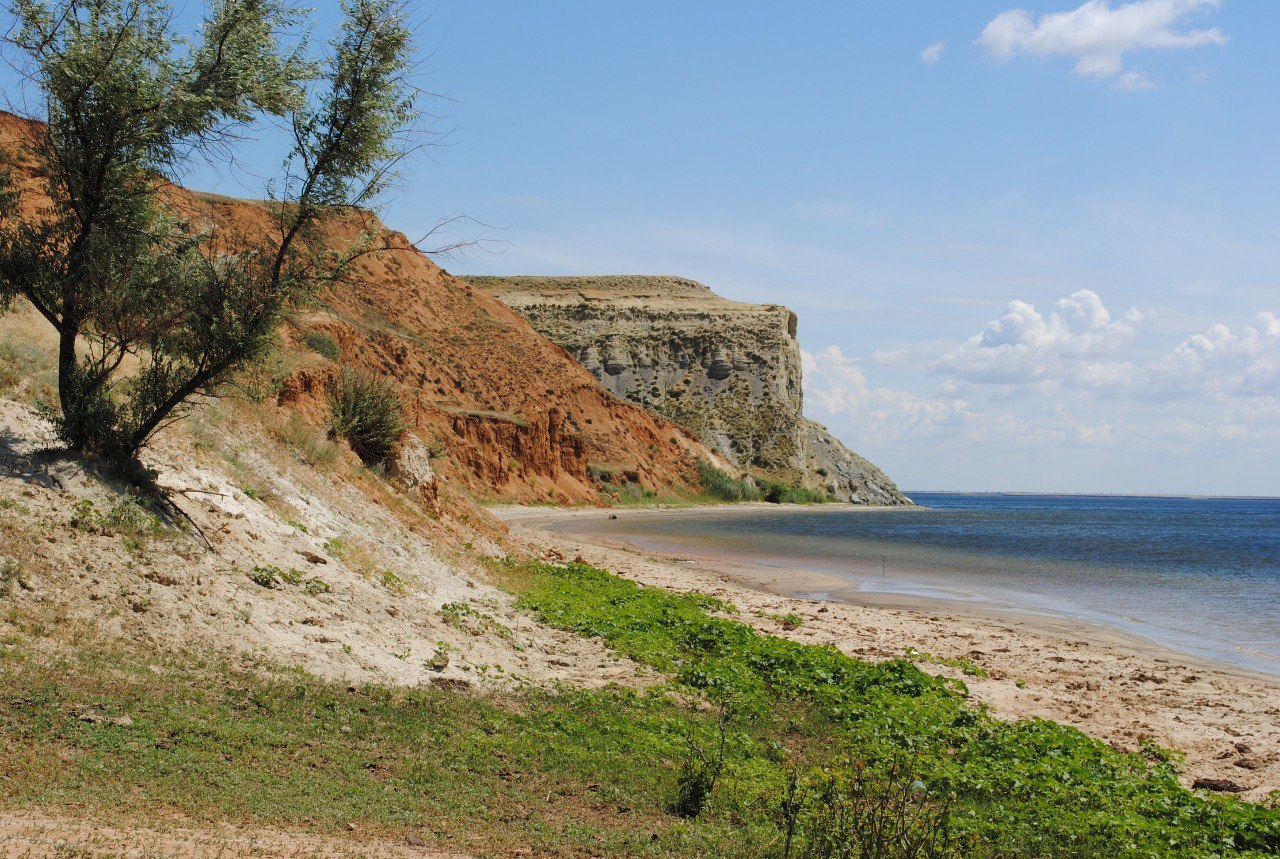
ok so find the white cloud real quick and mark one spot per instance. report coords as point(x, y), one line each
point(933, 53)
point(1036, 385)
point(1134, 82)
point(1025, 346)
point(1098, 35)
point(1221, 363)
point(836, 387)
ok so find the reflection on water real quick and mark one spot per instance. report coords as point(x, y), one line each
point(1202, 575)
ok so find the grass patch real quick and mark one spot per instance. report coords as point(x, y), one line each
point(785, 493)
point(322, 343)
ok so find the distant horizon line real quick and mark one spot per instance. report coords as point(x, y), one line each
point(1187, 496)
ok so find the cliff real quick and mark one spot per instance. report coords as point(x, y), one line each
point(728, 370)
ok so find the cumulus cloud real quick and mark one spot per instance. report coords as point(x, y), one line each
point(933, 53)
point(1073, 376)
point(1222, 362)
point(1024, 345)
point(1098, 35)
point(836, 387)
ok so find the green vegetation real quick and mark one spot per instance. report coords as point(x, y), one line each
point(130, 518)
point(968, 666)
point(784, 493)
point(721, 486)
point(802, 751)
point(367, 413)
point(724, 487)
point(1031, 788)
point(154, 308)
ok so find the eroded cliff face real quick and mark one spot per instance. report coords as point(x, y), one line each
point(511, 416)
point(727, 370)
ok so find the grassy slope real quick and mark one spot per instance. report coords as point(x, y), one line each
point(574, 773)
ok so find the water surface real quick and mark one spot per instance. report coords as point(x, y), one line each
point(1200, 575)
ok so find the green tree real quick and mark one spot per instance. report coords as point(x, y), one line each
point(155, 308)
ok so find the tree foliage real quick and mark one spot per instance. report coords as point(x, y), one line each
point(155, 307)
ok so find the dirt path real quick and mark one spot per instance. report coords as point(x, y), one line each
point(35, 835)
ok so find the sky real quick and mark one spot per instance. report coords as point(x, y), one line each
point(1032, 246)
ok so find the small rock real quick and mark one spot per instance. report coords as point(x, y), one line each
point(1221, 785)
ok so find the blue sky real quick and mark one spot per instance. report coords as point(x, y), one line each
point(1029, 250)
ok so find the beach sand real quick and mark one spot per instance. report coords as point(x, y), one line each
point(1118, 687)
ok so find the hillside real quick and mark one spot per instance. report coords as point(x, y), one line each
point(514, 415)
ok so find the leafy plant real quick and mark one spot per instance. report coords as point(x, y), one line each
point(316, 586)
point(266, 576)
point(701, 770)
point(366, 412)
point(1027, 788)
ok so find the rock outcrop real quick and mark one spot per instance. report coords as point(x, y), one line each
point(727, 370)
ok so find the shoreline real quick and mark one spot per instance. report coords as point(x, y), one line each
point(890, 588)
point(1108, 682)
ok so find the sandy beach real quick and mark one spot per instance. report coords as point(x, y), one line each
point(1110, 684)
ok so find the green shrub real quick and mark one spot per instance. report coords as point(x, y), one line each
point(785, 493)
point(266, 576)
point(366, 412)
point(322, 343)
point(725, 487)
point(128, 516)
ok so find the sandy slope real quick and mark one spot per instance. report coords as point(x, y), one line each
point(1119, 688)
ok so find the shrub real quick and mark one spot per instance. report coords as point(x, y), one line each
point(366, 412)
point(266, 576)
point(785, 493)
point(718, 484)
point(860, 811)
point(322, 343)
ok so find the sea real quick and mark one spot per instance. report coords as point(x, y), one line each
point(1198, 575)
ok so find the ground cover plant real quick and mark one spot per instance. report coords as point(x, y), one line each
point(755, 746)
point(1029, 788)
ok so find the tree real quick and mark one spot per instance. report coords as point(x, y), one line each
point(153, 310)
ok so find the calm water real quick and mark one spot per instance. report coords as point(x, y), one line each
point(1201, 575)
